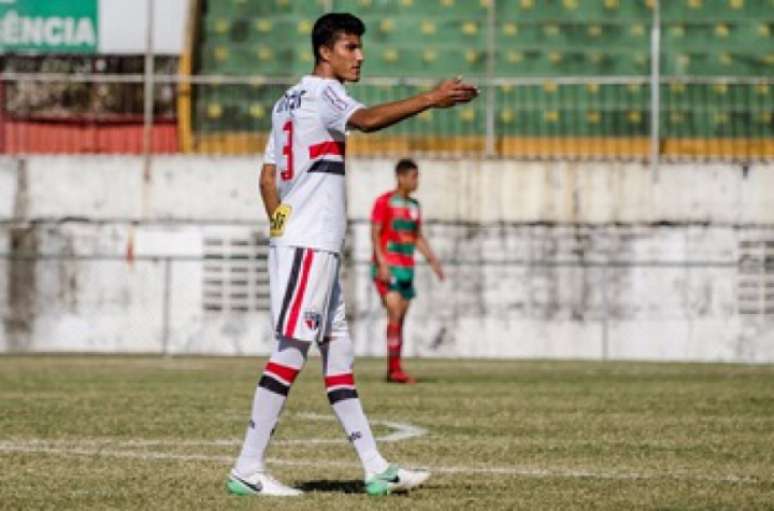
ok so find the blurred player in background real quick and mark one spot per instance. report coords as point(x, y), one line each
point(303, 191)
point(396, 228)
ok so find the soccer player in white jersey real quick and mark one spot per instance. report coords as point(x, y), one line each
point(303, 191)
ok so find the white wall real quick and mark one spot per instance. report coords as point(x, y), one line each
point(226, 189)
point(8, 187)
point(526, 247)
point(113, 188)
point(571, 192)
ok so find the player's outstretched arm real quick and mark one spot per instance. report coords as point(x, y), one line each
point(269, 193)
point(447, 94)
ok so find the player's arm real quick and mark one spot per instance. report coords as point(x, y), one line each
point(424, 248)
point(381, 261)
point(445, 95)
point(269, 192)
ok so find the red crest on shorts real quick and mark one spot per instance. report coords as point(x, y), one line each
point(312, 320)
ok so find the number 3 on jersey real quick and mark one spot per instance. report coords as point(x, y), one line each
point(287, 151)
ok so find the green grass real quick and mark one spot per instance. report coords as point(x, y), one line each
point(78, 433)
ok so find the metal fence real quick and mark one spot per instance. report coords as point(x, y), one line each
point(582, 98)
point(528, 118)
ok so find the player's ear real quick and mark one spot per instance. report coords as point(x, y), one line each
point(325, 52)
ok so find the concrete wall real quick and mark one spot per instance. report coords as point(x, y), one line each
point(558, 260)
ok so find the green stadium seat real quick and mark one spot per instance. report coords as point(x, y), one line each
point(711, 10)
point(533, 38)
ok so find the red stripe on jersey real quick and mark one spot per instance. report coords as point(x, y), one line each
point(291, 325)
point(327, 148)
point(286, 373)
point(395, 259)
point(339, 379)
point(405, 237)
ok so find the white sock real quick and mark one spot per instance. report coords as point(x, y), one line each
point(285, 363)
point(350, 414)
point(337, 354)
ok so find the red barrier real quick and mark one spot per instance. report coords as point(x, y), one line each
point(69, 137)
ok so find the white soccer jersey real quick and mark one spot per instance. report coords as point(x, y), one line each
point(307, 145)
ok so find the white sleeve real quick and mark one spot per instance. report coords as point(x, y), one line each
point(268, 153)
point(336, 107)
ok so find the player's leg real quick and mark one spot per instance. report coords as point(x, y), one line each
point(396, 306)
point(249, 474)
point(391, 300)
point(337, 353)
point(299, 284)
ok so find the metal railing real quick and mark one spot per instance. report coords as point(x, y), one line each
point(721, 118)
point(650, 116)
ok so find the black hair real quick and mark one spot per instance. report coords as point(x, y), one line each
point(405, 165)
point(329, 26)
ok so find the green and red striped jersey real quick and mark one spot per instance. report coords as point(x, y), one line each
point(399, 220)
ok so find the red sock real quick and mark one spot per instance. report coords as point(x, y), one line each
point(394, 345)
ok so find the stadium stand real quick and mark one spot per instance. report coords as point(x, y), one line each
point(60, 116)
point(711, 53)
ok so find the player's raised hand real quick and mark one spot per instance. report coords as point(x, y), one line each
point(452, 92)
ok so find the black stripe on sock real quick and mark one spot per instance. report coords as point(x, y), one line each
point(328, 167)
point(334, 396)
point(291, 287)
point(270, 384)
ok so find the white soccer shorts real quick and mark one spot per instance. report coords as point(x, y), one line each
point(306, 299)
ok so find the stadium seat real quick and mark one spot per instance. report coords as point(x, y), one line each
point(549, 39)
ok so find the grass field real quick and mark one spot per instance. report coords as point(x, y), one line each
point(153, 433)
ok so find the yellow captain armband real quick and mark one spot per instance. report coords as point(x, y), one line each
point(278, 219)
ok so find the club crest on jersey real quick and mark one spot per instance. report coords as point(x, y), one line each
point(312, 320)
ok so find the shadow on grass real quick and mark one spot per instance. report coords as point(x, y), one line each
point(353, 486)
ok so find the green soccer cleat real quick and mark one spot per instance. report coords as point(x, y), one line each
point(395, 479)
